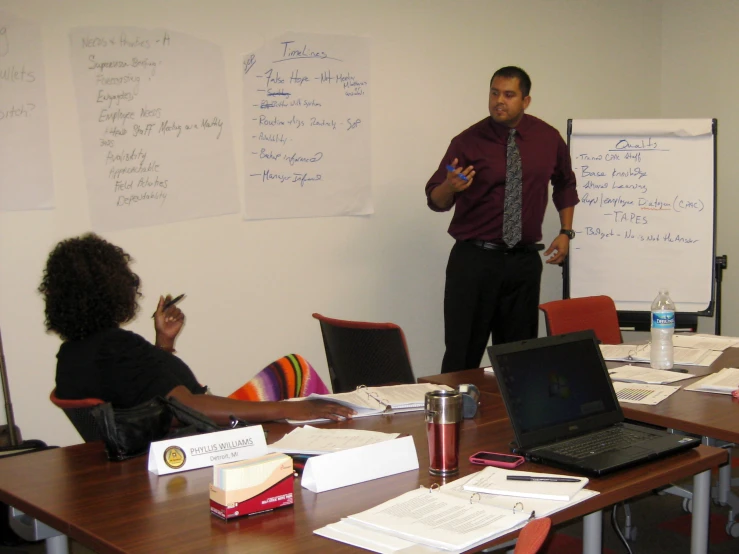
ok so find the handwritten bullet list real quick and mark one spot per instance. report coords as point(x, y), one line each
point(645, 219)
point(26, 182)
point(306, 100)
point(147, 131)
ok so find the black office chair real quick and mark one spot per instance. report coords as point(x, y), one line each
point(79, 413)
point(364, 353)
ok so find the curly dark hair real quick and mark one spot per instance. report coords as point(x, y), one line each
point(88, 286)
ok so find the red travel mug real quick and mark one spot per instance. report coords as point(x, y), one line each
point(443, 411)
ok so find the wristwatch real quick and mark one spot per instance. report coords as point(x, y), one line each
point(569, 232)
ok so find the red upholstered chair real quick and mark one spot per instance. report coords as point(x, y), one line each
point(579, 314)
point(80, 414)
point(532, 536)
point(364, 353)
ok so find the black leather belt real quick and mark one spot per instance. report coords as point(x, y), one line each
point(503, 248)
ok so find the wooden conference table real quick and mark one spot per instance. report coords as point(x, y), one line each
point(715, 417)
point(699, 413)
point(114, 507)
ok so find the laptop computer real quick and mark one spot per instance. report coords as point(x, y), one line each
point(564, 411)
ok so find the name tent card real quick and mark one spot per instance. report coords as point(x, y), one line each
point(194, 452)
point(357, 465)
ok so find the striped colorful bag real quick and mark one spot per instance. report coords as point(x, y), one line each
point(289, 377)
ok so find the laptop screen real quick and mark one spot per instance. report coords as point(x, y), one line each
point(555, 387)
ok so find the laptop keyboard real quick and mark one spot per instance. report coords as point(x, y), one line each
point(596, 443)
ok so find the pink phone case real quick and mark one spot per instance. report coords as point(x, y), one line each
point(497, 463)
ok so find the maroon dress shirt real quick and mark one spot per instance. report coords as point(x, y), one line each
point(478, 210)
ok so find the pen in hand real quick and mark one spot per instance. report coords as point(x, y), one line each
point(169, 303)
point(543, 479)
point(460, 175)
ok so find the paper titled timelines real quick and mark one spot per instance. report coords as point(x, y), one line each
point(307, 127)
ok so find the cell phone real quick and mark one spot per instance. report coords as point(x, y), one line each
point(508, 461)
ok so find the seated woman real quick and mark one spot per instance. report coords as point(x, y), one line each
point(89, 290)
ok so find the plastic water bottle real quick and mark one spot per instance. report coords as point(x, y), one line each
point(661, 354)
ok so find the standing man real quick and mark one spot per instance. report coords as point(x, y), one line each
point(496, 174)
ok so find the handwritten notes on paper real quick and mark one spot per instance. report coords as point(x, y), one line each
point(646, 211)
point(155, 128)
point(307, 127)
point(26, 177)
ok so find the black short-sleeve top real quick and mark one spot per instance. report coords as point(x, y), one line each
point(119, 367)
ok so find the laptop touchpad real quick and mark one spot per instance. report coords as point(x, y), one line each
point(633, 453)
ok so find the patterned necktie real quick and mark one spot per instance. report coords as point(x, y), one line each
point(512, 205)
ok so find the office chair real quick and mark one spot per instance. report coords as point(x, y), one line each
point(532, 536)
point(364, 353)
point(79, 413)
point(578, 314)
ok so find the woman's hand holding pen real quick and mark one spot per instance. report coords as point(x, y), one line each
point(168, 322)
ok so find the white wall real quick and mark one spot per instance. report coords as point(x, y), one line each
point(251, 286)
point(699, 79)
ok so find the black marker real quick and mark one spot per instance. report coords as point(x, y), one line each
point(542, 479)
point(169, 303)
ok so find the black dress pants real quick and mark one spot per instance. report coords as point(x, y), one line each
point(488, 292)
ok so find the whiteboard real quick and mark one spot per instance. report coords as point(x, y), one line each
point(646, 217)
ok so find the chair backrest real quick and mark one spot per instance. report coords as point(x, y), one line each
point(579, 314)
point(532, 536)
point(364, 353)
point(79, 413)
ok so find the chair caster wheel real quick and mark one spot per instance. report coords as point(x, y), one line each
point(688, 505)
point(630, 534)
point(732, 529)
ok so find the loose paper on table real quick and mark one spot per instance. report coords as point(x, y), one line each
point(312, 440)
point(369, 401)
point(642, 393)
point(638, 374)
point(709, 342)
point(640, 354)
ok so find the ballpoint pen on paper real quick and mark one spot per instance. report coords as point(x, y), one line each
point(543, 479)
point(170, 302)
point(460, 175)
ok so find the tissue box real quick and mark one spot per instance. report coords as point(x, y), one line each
point(252, 486)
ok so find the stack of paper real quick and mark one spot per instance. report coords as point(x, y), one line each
point(417, 516)
point(369, 401)
point(634, 374)
point(709, 342)
point(312, 440)
point(725, 381)
point(449, 518)
point(494, 480)
point(640, 354)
